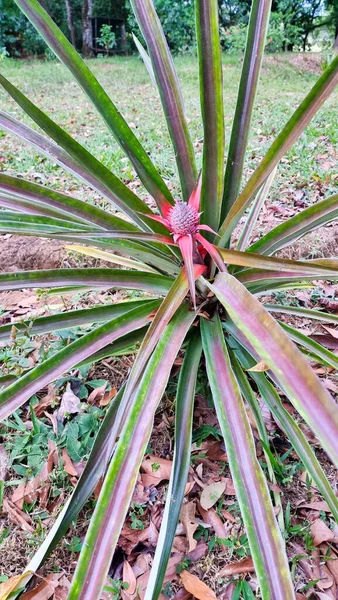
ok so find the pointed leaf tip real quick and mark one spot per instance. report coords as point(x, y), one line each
point(195, 198)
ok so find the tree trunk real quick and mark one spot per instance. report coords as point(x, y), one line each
point(87, 32)
point(70, 22)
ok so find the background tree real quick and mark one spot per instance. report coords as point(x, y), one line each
point(70, 22)
point(87, 33)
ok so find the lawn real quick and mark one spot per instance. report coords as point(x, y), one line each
point(307, 174)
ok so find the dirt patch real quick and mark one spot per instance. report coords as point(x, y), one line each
point(19, 253)
point(303, 62)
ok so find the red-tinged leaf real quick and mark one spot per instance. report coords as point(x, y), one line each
point(97, 278)
point(181, 461)
point(31, 198)
point(254, 52)
point(237, 568)
point(186, 246)
point(266, 544)
point(117, 489)
point(169, 306)
point(116, 123)
point(196, 587)
point(320, 532)
point(195, 197)
point(289, 134)
point(213, 251)
point(292, 229)
point(170, 93)
point(22, 389)
point(72, 156)
point(211, 92)
point(289, 366)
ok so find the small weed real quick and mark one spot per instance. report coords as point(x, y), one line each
point(137, 511)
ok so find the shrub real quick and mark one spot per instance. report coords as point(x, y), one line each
point(280, 36)
point(205, 297)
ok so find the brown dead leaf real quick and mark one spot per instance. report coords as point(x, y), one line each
point(331, 331)
point(7, 587)
point(45, 589)
point(67, 464)
point(62, 590)
point(156, 470)
point(108, 396)
point(211, 518)
point(45, 402)
point(200, 551)
point(332, 565)
point(17, 516)
point(211, 494)
point(97, 394)
point(190, 525)
point(128, 577)
point(260, 367)
point(237, 568)
point(229, 487)
point(196, 587)
point(4, 462)
point(70, 404)
point(318, 505)
point(320, 532)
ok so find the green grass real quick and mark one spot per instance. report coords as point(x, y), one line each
point(282, 87)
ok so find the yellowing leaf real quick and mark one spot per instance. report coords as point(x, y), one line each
point(195, 586)
point(112, 258)
point(7, 587)
point(211, 494)
point(260, 367)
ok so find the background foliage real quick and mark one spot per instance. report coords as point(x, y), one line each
point(295, 24)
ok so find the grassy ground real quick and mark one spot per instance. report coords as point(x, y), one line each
point(307, 173)
point(283, 85)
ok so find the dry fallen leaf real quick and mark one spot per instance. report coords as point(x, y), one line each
point(237, 568)
point(190, 525)
point(17, 516)
point(211, 494)
point(212, 518)
point(67, 464)
point(320, 532)
point(7, 587)
point(4, 461)
point(196, 587)
point(97, 393)
point(108, 396)
point(318, 505)
point(70, 404)
point(128, 576)
point(156, 470)
point(45, 589)
point(45, 402)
